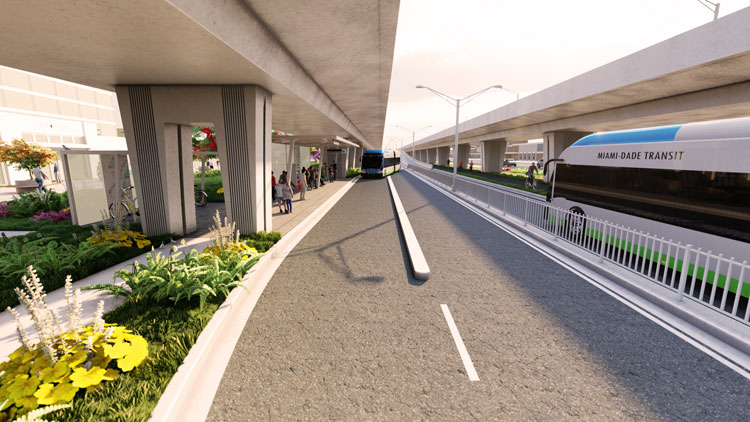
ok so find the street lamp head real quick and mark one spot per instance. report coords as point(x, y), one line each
point(497, 86)
point(421, 86)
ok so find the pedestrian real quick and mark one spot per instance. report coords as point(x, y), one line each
point(303, 181)
point(323, 174)
point(288, 195)
point(333, 171)
point(448, 162)
point(39, 177)
point(273, 187)
point(56, 170)
point(280, 194)
point(471, 165)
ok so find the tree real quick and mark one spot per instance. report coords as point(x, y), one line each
point(25, 156)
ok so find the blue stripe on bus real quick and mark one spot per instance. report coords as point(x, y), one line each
point(651, 134)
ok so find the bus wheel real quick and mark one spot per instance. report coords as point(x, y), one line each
point(576, 224)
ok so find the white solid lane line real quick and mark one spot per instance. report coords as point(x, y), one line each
point(460, 345)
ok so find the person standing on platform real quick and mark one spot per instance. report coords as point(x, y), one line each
point(303, 182)
point(56, 170)
point(333, 171)
point(280, 194)
point(288, 195)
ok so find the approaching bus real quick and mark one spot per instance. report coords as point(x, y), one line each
point(380, 163)
point(689, 183)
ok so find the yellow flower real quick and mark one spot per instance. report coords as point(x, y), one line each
point(53, 374)
point(51, 394)
point(118, 351)
point(220, 190)
point(137, 353)
point(82, 378)
point(111, 374)
point(22, 386)
point(75, 359)
point(27, 402)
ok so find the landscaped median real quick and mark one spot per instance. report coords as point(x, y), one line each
point(512, 179)
point(102, 371)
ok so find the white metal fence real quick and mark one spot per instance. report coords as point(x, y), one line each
point(691, 273)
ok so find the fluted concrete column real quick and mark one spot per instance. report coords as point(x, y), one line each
point(431, 155)
point(493, 155)
point(463, 154)
point(443, 155)
point(241, 115)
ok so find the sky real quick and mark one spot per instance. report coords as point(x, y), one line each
point(459, 47)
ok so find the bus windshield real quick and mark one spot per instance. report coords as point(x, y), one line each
point(372, 161)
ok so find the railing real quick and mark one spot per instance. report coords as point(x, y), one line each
point(717, 282)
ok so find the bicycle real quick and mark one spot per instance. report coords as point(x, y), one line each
point(201, 198)
point(127, 206)
point(530, 182)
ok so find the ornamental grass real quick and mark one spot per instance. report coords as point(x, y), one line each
point(63, 363)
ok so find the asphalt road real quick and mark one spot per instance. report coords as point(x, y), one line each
point(343, 332)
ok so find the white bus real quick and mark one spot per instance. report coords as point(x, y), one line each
point(689, 183)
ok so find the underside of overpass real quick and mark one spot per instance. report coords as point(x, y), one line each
point(244, 66)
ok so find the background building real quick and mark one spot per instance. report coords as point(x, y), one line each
point(53, 113)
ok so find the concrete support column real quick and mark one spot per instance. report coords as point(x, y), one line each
point(241, 115)
point(358, 157)
point(493, 155)
point(556, 142)
point(463, 154)
point(341, 163)
point(431, 155)
point(351, 161)
point(290, 166)
point(443, 155)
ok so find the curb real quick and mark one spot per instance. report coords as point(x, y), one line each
point(418, 261)
point(741, 343)
point(191, 391)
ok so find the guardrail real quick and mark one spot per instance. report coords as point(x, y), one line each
point(717, 282)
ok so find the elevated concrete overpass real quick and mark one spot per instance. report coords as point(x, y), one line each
point(244, 66)
point(702, 74)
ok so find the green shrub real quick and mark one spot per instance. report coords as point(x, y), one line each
point(262, 241)
point(209, 173)
point(61, 250)
point(52, 259)
point(353, 172)
point(30, 203)
point(174, 278)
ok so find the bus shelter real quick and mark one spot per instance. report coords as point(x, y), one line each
point(98, 183)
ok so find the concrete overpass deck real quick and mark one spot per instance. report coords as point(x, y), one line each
point(702, 74)
point(344, 332)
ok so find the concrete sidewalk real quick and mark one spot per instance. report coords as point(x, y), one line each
point(199, 240)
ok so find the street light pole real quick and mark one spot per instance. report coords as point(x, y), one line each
point(413, 135)
point(714, 9)
point(457, 101)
